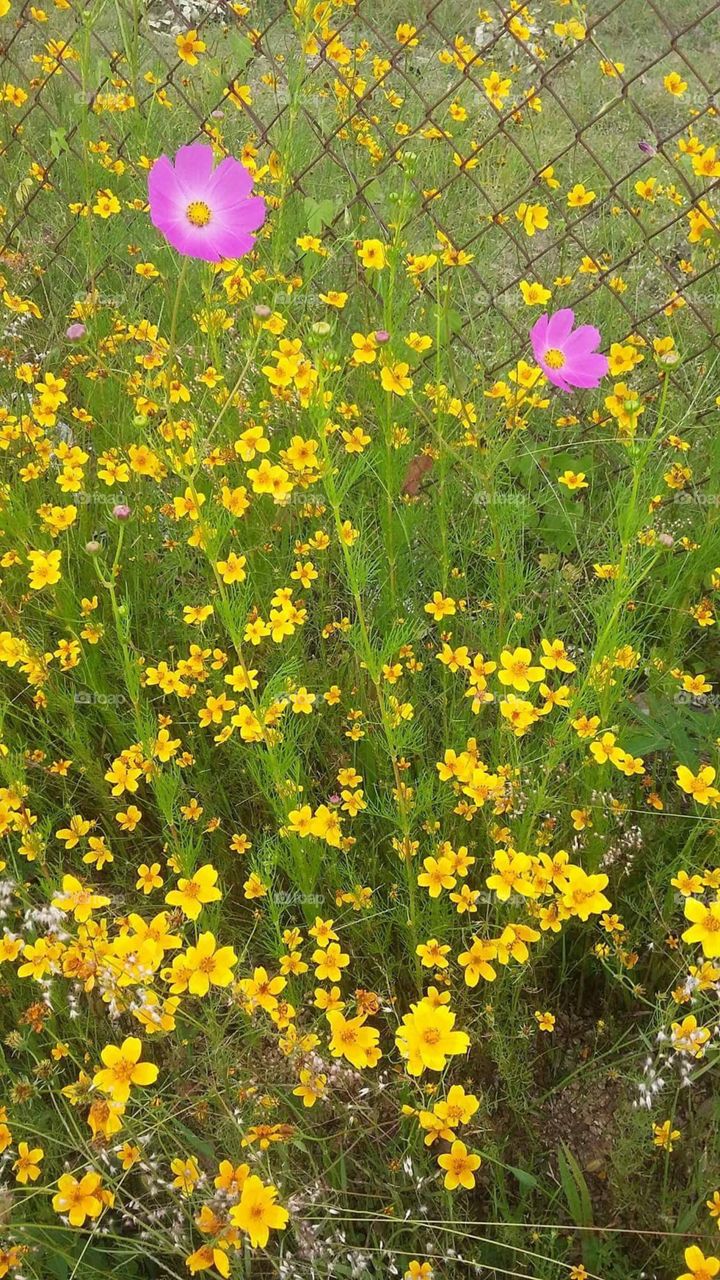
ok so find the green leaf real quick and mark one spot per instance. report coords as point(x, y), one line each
point(23, 189)
point(577, 1194)
point(319, 214)
point(58, 142)
point(556, 531)
point(524, 1178)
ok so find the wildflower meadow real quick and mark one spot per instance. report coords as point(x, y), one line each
point(359, 664)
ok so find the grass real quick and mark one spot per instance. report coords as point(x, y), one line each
point(458, 487)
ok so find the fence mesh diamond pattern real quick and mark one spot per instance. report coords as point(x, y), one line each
point(526, 153)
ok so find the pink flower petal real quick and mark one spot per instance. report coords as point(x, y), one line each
point(586, 338)
point(559, 326)
point(538, 333)
point(225, 189)
point(232, 178)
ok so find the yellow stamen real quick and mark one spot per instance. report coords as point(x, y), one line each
point(554, 358)
point(199, 213)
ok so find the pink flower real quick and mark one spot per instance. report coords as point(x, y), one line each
point(204, 212)
point(568, 358)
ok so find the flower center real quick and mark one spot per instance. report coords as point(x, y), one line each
point(554, 358)
point(198, 213)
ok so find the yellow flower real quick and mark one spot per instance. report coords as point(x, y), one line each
point(330, 961)
point(440, 606)
point(534, 217)
point(79, 899)
point(189, 46)
point(27, 1165)
point(686, 884)
point(261, 991)
point(44, 569)
point(257, 1214)
point(699, 787)
point(418, 1271)
point(433, 954)
point(438, 875)
point(187, 1174)
point(366, 348)
point(705, 927)
point(688, 1037)
point(579, 196)
point(606, 748)
point(476, 961)
point(534, 294)
point(239, 94)
point(459, 1167)
point(193, 893)
point(334, 298)
point(106, 204)
point(582, 894)
point(207, 1256)
point(664, 1135)
point(516, 669)
point(233, 569)
point(372, 254)
point(698, 1266)
point(427, 1037)
point(675, 84)
point(395, 378)
point(208, 965)
point(122, 1069)
point(350, 1038)
point(311, 1087)
point(406, 34)
point(79, 1199)
point(573, 480)
point(510, 868)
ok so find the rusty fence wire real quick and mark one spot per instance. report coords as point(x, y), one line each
point(475, 116)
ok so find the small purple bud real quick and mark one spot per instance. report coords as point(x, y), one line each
point(75, 331)
point(334, 798)
point(382, 335)
point(647, 148)
point(666, 539)
point(262, 312)
point(121, 511)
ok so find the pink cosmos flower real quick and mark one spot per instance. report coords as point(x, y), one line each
point(204, 212)
point(569, 359)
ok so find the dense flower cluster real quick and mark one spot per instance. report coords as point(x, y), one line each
point(358, 738)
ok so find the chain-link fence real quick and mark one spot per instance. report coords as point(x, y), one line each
point(547, 145)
